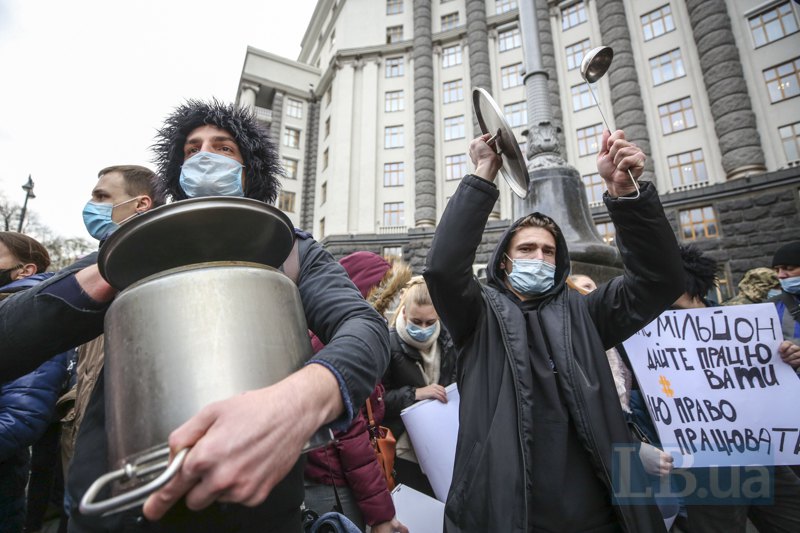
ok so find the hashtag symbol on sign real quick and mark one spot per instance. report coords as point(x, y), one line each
point(665, 386)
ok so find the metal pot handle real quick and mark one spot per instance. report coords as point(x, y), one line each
point(136, 496)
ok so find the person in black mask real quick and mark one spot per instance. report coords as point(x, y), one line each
point(28, 403)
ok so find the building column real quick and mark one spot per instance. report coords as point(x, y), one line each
point(424, 128)
point(734, 120)
point(548, 58)
point(277, 116)
point(247, 96)
point(310, 165)
point(480, 71)
point(623, 80)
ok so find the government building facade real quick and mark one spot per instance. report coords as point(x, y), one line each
point(374, 117)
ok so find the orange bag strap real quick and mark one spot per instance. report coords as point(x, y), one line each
point(369, 415)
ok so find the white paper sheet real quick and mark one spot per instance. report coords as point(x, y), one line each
point(432, 427)
point(418, 512)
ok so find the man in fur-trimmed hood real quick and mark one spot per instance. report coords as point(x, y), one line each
point(258, 153)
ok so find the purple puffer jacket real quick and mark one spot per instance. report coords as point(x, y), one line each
point(351, 462)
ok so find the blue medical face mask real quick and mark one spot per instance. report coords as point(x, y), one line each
point(531, 277)
point(207, 174)
point(420, 334)
point(791, 285)
point(772, 293)
point(97, 218)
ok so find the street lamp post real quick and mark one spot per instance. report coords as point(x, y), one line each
point(28, 188)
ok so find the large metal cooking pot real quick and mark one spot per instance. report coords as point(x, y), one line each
point(179, 338)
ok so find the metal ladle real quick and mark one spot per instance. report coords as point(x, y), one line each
point(594, 66)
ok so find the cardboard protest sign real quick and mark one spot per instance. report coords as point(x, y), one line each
point(717, 390)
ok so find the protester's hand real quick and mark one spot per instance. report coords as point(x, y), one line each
point(391, 526)
point(616, 157)
point(93, 284)
point(431, 392)
point(243, 446)
point(790, 353)
point(486, 160)
point(656, 462)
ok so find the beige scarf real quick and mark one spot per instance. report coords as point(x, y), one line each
point(429, 350)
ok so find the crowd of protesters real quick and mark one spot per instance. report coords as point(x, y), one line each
point(545, 387)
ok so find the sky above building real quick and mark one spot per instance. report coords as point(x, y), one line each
point(85, 84)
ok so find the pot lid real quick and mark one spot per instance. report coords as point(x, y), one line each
point(197, 230)
point(491, 120)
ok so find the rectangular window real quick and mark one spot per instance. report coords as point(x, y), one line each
point(294, 108)
point(657, 22)
point(595, 187)
point(581, 98)
point(783, 81)
point(607, 232)
point(667, 67)
point(394, 34)
point(322, 227)
point(698, 223)
point(286, 201)
point(394, 67)
point(325, 159)
point(327, 127)
point(451, 56)
point(772, 25)
point(323, 193)
point(790, 138)
point(516, 114)
point(511, 76)
point(291, 137)
point(455, 166)
point(394, 101)
point(393, 137)
point(290, 168)
point(687, 168)
point(575, 53)
point(677, 115)
point(504, 6)
point(509, 39)
point(449, 21)
point(394, 7)
point(393, 214)
point(392, 252)
point(573, 15)
point(328, 97)
point(454, 128)
point(393, 174)
point(589, 139)
point(453, 91)
point(333, 39)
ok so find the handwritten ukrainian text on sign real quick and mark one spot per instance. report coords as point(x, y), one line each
point(716, 387)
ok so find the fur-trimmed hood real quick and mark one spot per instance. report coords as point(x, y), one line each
point(262, 167)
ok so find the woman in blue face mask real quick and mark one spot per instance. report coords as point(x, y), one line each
point(422, 364)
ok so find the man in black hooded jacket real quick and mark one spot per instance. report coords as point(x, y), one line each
point(539, 414)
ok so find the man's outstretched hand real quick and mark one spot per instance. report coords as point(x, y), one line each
point(243, 446)
point(615, 158)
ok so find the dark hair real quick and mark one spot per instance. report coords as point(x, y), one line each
point(138, 181)
point(537, 220)
point(26, 249)
point(259, 153)
point(701, 271)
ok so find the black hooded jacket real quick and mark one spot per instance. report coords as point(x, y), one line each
point(494, 476)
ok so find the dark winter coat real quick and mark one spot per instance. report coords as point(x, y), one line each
point(27, 408)
point(404, 375)
point(492, 478)
point(357, 349)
